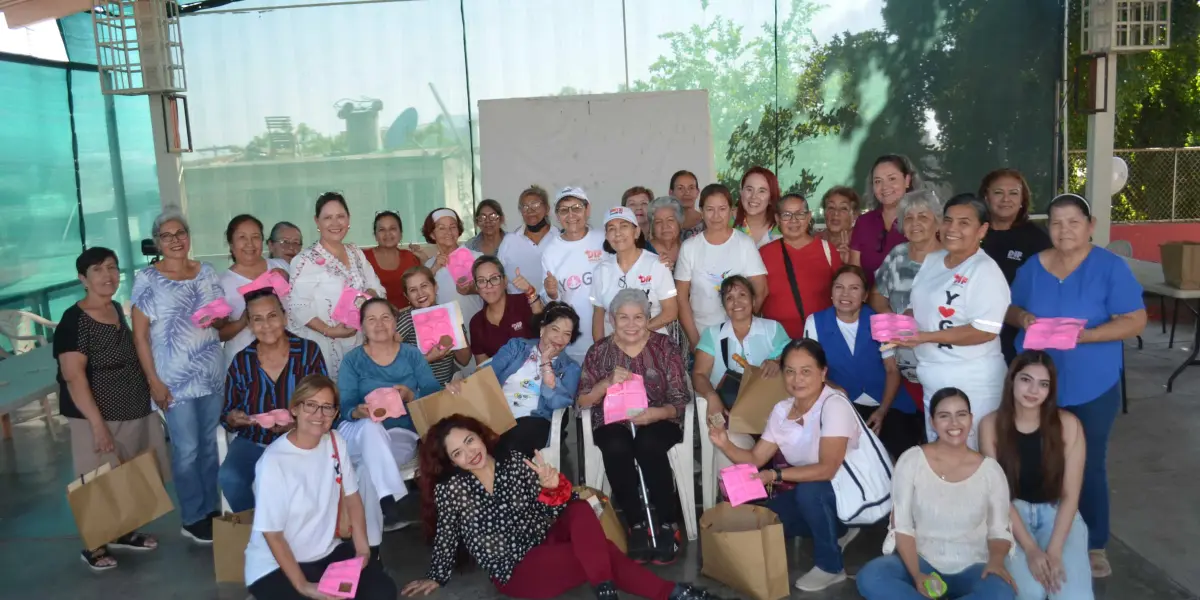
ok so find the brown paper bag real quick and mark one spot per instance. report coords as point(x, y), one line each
point(111, 504)
point(757, 396)
point(743, 548)
point(481, 398)
point(231, 535)
point(613, 529)
point(1181, 264)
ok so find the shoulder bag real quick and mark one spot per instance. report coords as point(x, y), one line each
point(344, 530)
point(791, 273)
point(863, 484)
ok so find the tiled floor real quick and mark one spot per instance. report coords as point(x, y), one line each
point(1154, 459)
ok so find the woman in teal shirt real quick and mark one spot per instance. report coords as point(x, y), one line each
point(1079, 280)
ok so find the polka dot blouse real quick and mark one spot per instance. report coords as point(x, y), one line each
point(498, 529)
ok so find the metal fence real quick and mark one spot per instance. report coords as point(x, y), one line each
point(1164, 184)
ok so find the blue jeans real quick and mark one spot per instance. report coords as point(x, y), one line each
point(237, 473)
point(1039, 520)
point(1097, 418)
point(810, 511)
point(886, 578)
point(193, 423)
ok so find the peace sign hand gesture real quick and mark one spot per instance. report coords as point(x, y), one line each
point(546, 473)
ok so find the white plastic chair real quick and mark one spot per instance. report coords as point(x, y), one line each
point(708, 487)
point(681, 464)
point(19, 326)
point(223, 450)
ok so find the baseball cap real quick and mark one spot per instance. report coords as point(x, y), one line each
point(571, 192)
point(622, 213)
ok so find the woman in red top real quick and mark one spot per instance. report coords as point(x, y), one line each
point(388, 260)
point(812, 263)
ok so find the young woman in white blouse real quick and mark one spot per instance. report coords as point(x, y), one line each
point(302, 482)
point(959, 299)
point(627, 265)
point(950, 518)
point(319, 275)
point(245, 237)
point(814, 429)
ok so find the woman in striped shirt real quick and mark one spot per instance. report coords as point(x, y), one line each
point(421, 290)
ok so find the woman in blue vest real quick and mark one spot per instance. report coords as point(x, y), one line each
point(857, 363)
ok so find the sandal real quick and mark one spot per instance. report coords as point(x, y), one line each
point(139, 542)
point(98, 559)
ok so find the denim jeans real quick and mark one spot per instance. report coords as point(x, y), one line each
point(192, 424)
point(810, 511)
point(236, 474)
point(886, 578)
point(1097, 418)
point(1039, 520)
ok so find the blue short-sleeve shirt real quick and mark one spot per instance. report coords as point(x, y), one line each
point(1102, 286)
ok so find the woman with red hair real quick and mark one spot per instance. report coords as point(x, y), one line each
point(756, 206)
point(520, 520)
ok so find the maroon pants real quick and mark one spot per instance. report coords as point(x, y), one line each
point(576, 552)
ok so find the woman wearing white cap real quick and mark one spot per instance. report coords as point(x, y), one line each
point(629, 266)
point(443, 228)
point(569, 260)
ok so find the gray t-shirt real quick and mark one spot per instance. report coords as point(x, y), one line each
point(894, 281)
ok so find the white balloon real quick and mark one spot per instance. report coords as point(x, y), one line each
point(1120, 174)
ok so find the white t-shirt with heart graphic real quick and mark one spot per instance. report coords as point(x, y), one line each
point(572, 264)
point(975, 292)
point(705, 266)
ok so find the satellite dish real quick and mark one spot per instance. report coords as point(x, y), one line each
point(401, 131)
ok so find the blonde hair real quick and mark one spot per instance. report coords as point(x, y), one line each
point(309, 387)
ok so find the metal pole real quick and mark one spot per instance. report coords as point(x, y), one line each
point(1100, 152)
point(645, 496)
point(1174, 181)
point(1064, 105)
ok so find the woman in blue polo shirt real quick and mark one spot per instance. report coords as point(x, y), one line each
point(869, 374)
point(1076, 279)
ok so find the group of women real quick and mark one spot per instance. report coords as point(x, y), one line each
point(678, 291)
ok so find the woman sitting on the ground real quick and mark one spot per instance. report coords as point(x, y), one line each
point(301, 484)
point(859, 364)
point(520, 521)
point(950, 517)
point(814, 429)
point(1042, 449)
point(504, 316)
point(261, 379)
point(633, 349)
point(421, 289)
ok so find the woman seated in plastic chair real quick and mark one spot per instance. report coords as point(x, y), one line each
point(862, 367)
point(633, 349)
point(259, 380)
point(717, 375)
point(815, 439)
point(381, 447)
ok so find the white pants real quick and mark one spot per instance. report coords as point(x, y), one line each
point(377, 454)
point(982, 380)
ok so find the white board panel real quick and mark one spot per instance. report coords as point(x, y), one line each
point(603, 143)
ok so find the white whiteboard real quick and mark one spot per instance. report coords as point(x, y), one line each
point(604, 143)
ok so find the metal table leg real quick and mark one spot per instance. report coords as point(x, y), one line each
point(1191, 359)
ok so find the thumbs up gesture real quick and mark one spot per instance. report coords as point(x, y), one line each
point(521, 283)
point(551, 286)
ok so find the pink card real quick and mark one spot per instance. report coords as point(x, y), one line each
point(341, 578)
point(385, 403)
point(1054, 333)
point(886, 327)
point(269, 280)
point(217, 309)
point(460, 263)
point(346, 309)
point(625, 400)
point(432, 323)
point(741, 485)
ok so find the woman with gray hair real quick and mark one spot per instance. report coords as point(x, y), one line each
point(665, 218)
point(634, 350)
point(876, 232)
point(184, 365)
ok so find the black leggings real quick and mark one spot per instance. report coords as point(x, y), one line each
point(531, 433)
point(374, 584)
point(620, 449)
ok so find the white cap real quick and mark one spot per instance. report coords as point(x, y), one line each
point(571, 192)
point(622, 213)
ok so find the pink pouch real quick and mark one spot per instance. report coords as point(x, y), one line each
point(886, 327)
point(1054, 333)
point(741, 484)
point(340, 579)
point(269, 280)
point(346, 309)
point(385, 403)
point(269, 419)
point(459, 263)
point(625, 400)
point(217, 309)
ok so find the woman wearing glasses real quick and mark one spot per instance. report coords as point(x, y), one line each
point(442, 228)
point(799, 269)
point(568, 263)
point(877, 231)
point(756, 207)
point(389, 260)
point(505, 316)
point(489, 220)
point(285, 242)
point(629, 266)
point(523, 249)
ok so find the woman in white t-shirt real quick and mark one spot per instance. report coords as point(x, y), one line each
point(568, 262)
point(959, 299)
point(245, 237)
point(628, 265)
point(442, 228)
point(814, 429)
point(302, 482)
point(707, 259)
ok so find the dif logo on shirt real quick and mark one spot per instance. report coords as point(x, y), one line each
point(594, 255)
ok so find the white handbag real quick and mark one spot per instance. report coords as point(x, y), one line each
point(863, 484)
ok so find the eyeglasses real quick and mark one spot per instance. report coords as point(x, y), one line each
point(573, 209)
point(310, 407)
point(490, 218)
point(492, 281)
point(529, 207)
point(288, 243)
point(166, 236)
point(794, 216)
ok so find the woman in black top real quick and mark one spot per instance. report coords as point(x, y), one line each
point(1041, 449)
point(520, 520)
point(103, 392)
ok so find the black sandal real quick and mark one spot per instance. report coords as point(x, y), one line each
point(138, 542)
point(98, 559)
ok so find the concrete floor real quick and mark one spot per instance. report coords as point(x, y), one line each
point(1155, 546)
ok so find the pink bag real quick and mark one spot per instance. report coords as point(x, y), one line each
point(1054, 333)
point(385, 403)
point(887, 327)
point(269, 280)
point(217, 309)
point(269, 419)
point(346, 309)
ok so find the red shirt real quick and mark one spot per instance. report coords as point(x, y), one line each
point(391, 280)
point(814, 278)
point(488, 339)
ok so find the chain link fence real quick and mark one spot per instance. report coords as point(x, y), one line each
point(1164, 184)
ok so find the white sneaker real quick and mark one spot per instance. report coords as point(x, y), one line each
point(845, 540)
point(817, 580)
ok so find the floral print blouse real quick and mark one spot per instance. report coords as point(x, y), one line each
point(659, 363)
point(188, 359)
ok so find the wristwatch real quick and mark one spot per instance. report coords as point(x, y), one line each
point(778, 475)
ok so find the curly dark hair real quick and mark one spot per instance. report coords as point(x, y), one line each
point(436, 466)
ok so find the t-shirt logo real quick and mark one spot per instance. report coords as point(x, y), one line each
point(960, 279)
point(574, 282)
point(1016, 255)
point(947, 310)
point(594, 255)
point(644, 279)
point(517, 326)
